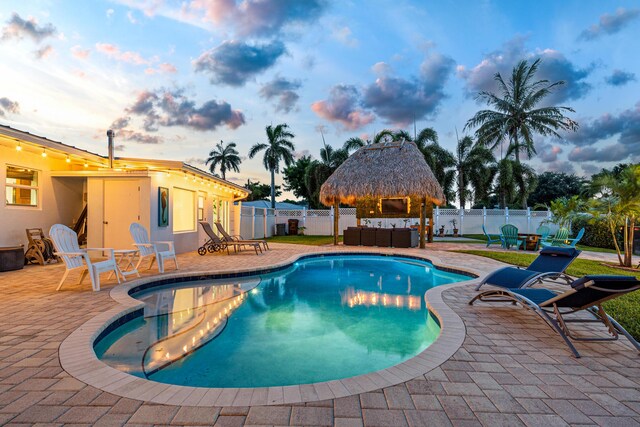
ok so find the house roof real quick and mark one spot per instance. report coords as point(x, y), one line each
point(97, 164)
point(267, 204)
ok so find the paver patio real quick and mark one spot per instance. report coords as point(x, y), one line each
point(511, 369)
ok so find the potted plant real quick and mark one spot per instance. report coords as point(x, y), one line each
point(441, 234)
point(301, 230)
point(454, 224)
point(367, 221)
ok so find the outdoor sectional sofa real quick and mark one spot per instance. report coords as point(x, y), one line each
point(382, 237)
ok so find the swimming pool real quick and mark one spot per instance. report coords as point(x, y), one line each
point(320, 319)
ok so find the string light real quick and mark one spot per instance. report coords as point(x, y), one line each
point(68, 159)
point(44, 152)
point(19, 147)
point(86, 165)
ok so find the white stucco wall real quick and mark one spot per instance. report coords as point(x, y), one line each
point(60, 199)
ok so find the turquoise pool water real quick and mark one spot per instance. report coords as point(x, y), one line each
point(321, 319)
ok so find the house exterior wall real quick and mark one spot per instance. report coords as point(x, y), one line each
point(60, 199)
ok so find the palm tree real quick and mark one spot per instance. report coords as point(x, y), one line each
point(278, 149)
point(471, 163)
point(439, 159)
point(332, 157)
point(516, 115)
point(355, 142)
point(514, 182)
point(226, 157)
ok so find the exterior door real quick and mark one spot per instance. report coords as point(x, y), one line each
point(121, 208)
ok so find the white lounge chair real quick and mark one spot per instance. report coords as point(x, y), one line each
point(150, 249)
point(65, 241)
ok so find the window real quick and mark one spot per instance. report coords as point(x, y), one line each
point(200, 208)
point(184, 210)
point(21, 186)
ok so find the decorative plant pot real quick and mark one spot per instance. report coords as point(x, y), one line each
point(455, 232)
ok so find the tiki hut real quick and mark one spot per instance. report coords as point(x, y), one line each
point(383, 171)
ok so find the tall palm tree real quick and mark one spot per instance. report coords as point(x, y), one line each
point(278, 149)
point(439, 159)
point(514, 182)
point(226, 157)
point(355, 142)
point(516, 115)
point(333, 157)
point(471, 163)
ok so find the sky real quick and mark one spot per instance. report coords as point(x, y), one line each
point(173, 78)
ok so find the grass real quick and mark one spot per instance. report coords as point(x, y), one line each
point(304, 240)
point(483, 238)
point(625, 309)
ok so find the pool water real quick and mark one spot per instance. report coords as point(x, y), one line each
point(322, 319)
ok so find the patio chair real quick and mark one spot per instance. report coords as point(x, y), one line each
point(40, 248)
point(65, 241)
point(550, 264)
point(586, 294)
point(491, 239)
point(573, 242)
point(227, 237)
point(153, 250)
point(224, 244)
point(543, 231)
point(510, 238)
point(559, 239)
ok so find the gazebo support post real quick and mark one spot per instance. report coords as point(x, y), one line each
point(423, 214)
point(336, 219)
point(431, 225)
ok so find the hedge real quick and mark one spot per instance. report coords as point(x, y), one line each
point(596, 233)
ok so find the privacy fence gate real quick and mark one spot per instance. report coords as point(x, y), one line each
point(257, 223)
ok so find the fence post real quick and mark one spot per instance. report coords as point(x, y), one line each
point(253, 222)
point(506, 215)
point(461, 215)
point(528, 219)
point(264, 223)
point(304, 216)
point(331, 215)
point(484, 217)
point(437, 217)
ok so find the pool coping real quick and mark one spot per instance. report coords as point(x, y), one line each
point(78, 358)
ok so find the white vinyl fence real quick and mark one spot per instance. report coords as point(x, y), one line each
point(256, 223)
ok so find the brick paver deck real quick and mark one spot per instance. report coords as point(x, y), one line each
point(511, 370)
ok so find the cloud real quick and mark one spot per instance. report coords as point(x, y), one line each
point(561, 166)
point(283, 92)
point(609, 24)
point(548, 153)
point(79, 53)
point(44, 52)
point(172, 108)
point(19, 28)
point(114, 52)
point(400, 100)
point(590, 169)
point(110, 13)
point(131, 18)
point(554, 66)
point(343, 107)
point(139, 137)
point(344, 36)
point(620, 78)
point(120, 123)
point(611, 153)
point(165, 68)
point(8, 106)
point(259, 17)
point(234, 62)
point(195, 161)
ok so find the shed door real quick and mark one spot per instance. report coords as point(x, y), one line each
point(121, 208)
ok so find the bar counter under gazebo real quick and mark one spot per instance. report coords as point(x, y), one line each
point(385, 180)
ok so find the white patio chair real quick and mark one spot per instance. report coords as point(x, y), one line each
point(150, 249)
point(65, 241)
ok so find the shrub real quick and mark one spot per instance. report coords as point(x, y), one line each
point(596, 233)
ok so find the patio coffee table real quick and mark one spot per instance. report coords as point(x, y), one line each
point(125, 259)
point(531, 241)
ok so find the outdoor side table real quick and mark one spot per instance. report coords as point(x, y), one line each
point(125, 260)
point(531, 242)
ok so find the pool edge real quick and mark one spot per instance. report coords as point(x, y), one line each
point(78, 358)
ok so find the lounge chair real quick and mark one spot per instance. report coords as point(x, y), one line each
point(549, 265)
point(224, 244)
point(587, 293)
point(227, 237)
point(559, 239)
point(510, 238)
point(573, 242)
point(491, 239)
point(65, 241)
point(154, 250)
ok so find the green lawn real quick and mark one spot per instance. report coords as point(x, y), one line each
point(625, 309)
point(304, 240)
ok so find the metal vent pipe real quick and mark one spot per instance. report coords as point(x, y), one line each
point(110, 135)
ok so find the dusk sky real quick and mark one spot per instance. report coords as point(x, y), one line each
point(173, 78)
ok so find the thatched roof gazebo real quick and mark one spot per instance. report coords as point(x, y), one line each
point(383, 171)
